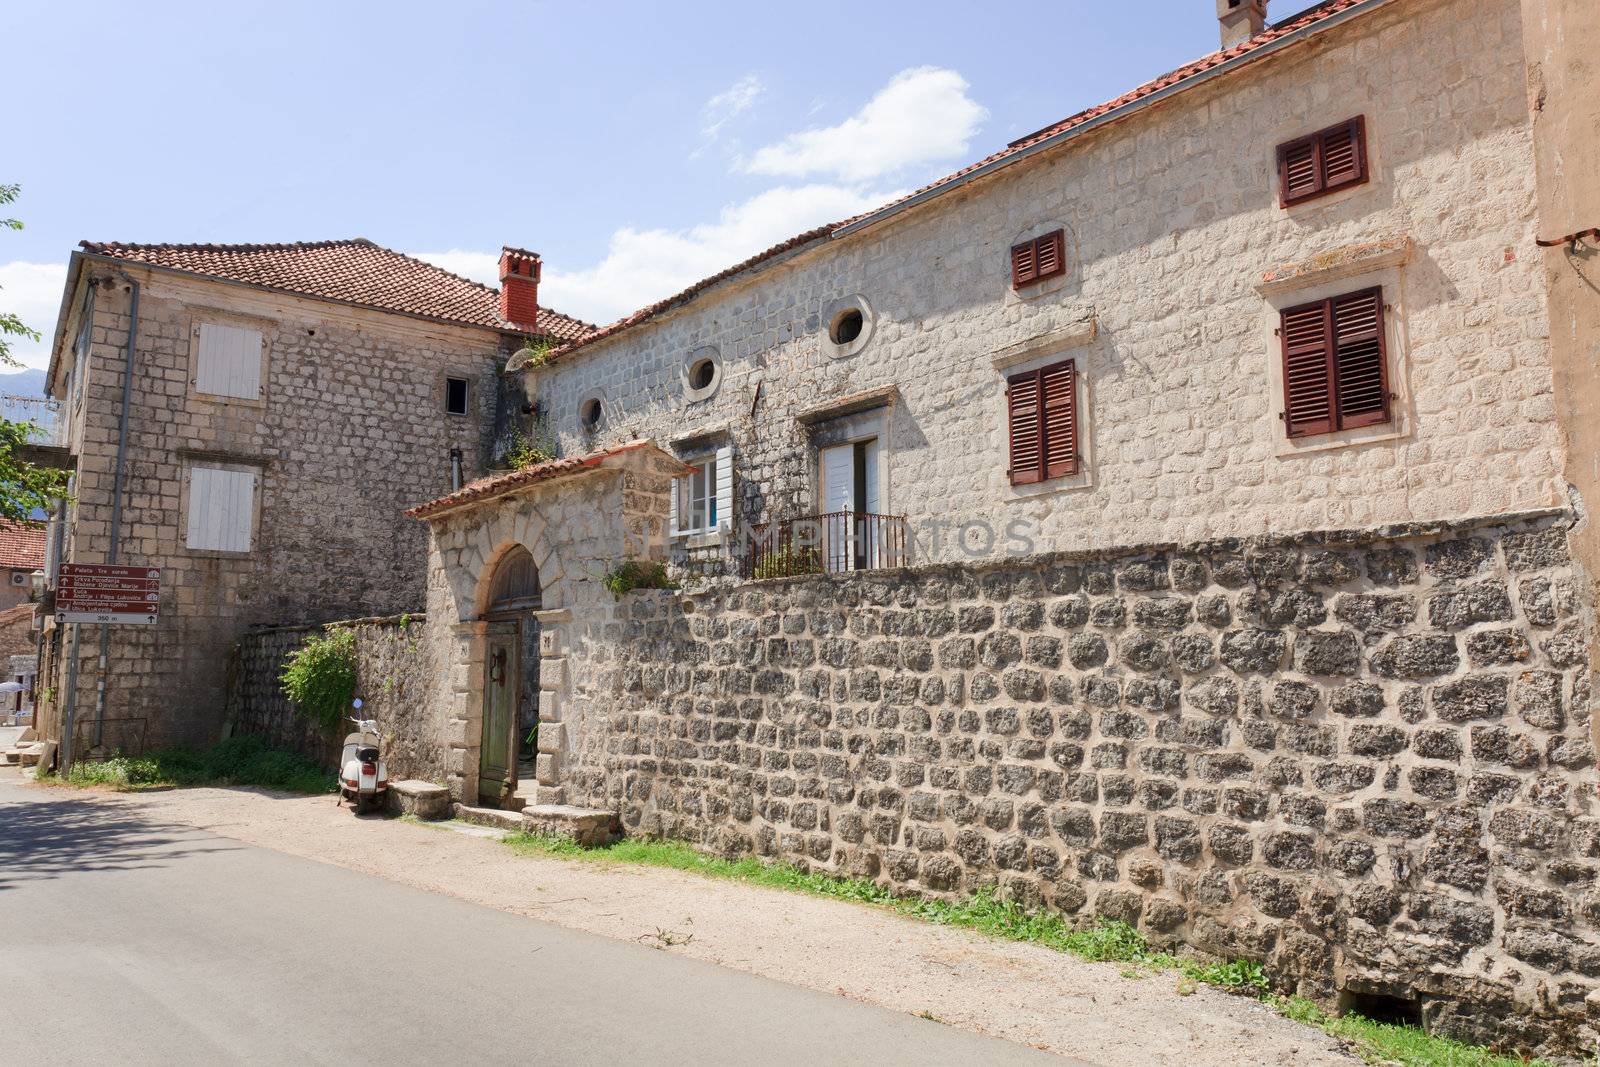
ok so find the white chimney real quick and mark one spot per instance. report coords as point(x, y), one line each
point(1241, 20)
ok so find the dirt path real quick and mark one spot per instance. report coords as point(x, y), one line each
point(1018, 992)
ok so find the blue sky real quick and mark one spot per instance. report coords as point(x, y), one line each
point(637, 147)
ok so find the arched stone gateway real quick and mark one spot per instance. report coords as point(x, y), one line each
point(514, 567)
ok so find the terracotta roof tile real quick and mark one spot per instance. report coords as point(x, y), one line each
point(21, 546)
point(1294, 24)
point(352, 272)
point(484, 488)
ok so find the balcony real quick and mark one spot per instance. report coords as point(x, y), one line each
point(42, 413)
point(834, 543)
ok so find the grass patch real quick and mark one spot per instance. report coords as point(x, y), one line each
point(1393, 1043)
point(1106, 941)
point(236, 761)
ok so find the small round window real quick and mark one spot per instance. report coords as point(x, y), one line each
point(846, 326)
point(590, 414)
point(703, 374)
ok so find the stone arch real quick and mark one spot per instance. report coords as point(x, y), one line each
point(524, 528)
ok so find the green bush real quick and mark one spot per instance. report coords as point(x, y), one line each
point(633, 574)
point(236, 761)
point(320, 677)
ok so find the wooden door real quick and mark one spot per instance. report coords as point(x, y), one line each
point(502, 686)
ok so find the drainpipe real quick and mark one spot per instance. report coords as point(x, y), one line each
point(116, 500)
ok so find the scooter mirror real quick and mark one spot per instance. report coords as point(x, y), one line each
point(356, 703)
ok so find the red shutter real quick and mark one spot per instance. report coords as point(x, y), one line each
point(1360, 371)
point(1051, 256)
point(1023, 409)
point(1327, 160)
point(1299, 170)
point(1024, 263)
point(1307, 369)
point(1344, 154)
point(1058, 386)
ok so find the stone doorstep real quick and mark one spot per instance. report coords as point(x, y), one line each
point(422, 799)
point(496, 817)
point(586, 826)
point(34, 754)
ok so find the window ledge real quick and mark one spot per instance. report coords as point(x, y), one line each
point(1346, 261)
point(1393, 430)
point(699, 538)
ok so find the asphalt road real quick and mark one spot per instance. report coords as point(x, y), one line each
point(128, 941)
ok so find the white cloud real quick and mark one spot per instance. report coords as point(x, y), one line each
point(643, 266)
point(729, 105)
point(32, 292)
point(923, 115)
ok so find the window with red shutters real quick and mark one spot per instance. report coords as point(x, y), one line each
point(1038, 259)
point(1326, 161)
point(1335, 364)
point(1042, 418)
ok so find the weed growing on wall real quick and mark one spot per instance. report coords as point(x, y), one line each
point(320, 677)
point(633, 574)
point(523, 451)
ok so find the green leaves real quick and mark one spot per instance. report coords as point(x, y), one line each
point(23, 486)
point(320, 677)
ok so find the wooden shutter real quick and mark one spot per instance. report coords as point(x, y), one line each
point(1023, 411)
point(1307, 369)
point(1299, 170)
point(221, 509)
point(1360, 370)
point(1335, 364)
point(230, 362)
point(724, 488)
point(1042, 408)
point(1024, 265)
point(1327, 160)
point(1038, 259)
point(1344, 154)
point(1058, 390)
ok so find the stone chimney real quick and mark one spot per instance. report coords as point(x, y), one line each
point(519, 287)
point(1241, 20)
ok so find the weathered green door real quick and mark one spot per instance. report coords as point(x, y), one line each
point(501, 685)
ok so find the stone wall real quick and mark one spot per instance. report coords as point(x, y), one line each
point(395, 666)
point(1172, 222)
point(1360, 758)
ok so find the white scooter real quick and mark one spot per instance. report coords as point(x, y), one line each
point(363, 776)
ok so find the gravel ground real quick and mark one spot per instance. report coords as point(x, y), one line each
point(1018, 992)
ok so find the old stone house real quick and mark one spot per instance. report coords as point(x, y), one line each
point(22, 550)
point(253, 420)
point(1176, 516)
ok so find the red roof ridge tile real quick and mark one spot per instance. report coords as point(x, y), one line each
point(500, 484)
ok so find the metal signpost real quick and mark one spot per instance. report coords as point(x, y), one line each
point(107, 593)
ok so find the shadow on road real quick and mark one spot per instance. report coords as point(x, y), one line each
point(49, 837)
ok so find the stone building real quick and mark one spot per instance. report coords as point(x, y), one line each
point(253, 420)
point(1176, 516)
point(21, 553)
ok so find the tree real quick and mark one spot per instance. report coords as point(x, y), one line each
point(24, 486)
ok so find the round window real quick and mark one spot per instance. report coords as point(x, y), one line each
point(589, 414)
point(846, 326)
point(702, 374)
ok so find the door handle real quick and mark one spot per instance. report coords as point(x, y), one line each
point(497, 667)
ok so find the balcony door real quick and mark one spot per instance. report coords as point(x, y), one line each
point(850, 500)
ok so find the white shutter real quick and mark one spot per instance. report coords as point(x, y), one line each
point(673, 526)
point(873, 459)
point(221, 509)
point(838, 478)
point(725, 487)
point(230, 362)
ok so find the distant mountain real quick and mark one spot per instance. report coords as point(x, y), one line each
point(23, 383)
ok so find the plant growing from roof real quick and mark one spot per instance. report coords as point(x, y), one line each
point(24, 487)
point(534, 353)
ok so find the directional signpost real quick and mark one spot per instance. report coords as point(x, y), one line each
point(106, 593)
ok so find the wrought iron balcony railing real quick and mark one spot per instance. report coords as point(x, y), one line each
point(43, 413)
point(831, 543)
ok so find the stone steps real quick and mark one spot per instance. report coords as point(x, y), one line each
point(510, 821)
point(587, 826)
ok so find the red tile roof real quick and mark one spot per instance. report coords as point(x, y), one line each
point(484, 488)
point(21, 546)
point(351, 272)
point(1303, 21)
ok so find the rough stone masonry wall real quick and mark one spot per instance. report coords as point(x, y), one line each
point(395, 665)
point(1362, 760)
